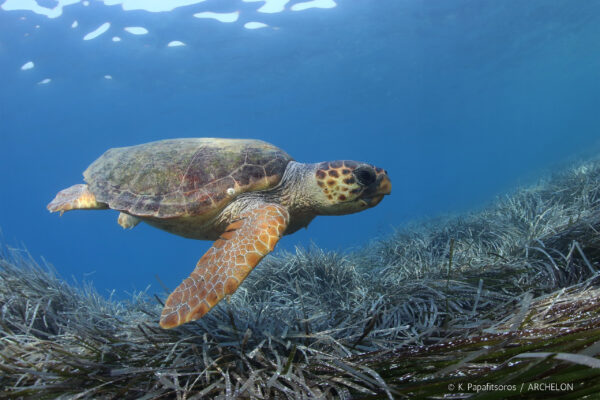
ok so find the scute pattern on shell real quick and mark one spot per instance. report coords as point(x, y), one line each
point(183, 177)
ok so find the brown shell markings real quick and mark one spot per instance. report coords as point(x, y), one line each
point(184, 177)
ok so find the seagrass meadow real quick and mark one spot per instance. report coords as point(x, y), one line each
point(501, 303)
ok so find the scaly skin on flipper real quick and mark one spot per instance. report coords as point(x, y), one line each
point(73, 198)
point(226, 264)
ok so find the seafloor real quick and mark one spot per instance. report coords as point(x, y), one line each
point(501, 303)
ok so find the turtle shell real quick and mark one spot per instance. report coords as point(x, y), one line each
point(183, 177)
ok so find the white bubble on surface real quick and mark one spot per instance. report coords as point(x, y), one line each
point(271, 6)
point(175, 43)
point(313, 4)
point(127, 5)
point(116, 39)
point(107, 77)
point(74, 24)
point(254, 25)
point(151, 5)
point(32, 5)
point(27, 65)
point(136, 30)
point(223, 17)
point(44, 81)
point(97, 32)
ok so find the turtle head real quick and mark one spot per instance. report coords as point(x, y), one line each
point(346, 187)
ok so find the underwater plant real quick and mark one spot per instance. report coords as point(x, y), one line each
point(500, 303)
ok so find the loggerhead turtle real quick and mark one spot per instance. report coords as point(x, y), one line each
point(243, 194)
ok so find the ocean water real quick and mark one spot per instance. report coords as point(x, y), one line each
point(460, 101)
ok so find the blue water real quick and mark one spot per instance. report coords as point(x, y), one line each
point(460, 100)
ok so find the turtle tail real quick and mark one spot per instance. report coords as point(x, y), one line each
point(77, 197)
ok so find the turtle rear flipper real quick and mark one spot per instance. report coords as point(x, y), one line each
point(128, 221)
point(74, 198)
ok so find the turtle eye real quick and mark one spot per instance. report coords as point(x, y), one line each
point(365, 175)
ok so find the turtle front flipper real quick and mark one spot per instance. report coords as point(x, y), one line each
point(226, 264)
point(74, 198)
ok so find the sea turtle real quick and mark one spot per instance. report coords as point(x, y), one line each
point(243, 194)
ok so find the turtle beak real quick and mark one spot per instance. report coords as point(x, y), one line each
point(375, 192)
point(372, 201)
point(384, 184)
